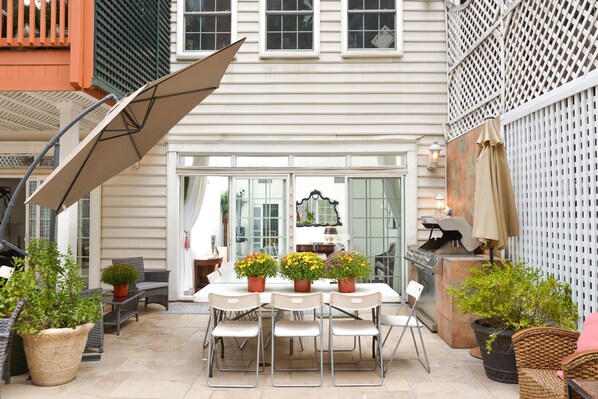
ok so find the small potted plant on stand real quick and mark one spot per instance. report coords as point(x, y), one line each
point(256, 267)
point(302, 268)
point(56, 320)
point(346, 268)
point(510, 297)
point(120, 276)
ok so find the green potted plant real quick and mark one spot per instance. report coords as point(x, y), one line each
point(256, 267)
point(120, 276)
point(56, 320)
point(302, 268)
point(346, 268)
point(510, 297)
point(10, 295)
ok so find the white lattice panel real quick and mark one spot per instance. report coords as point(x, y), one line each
point(553, 157)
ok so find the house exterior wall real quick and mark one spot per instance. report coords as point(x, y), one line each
point(325, 105)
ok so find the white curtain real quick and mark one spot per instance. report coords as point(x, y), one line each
point(392, 191)
point(191, 207)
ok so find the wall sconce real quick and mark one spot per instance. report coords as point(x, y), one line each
point(433, 155)
point(330, 234)
point(439, 205)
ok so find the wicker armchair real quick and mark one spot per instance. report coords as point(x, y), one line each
point(95, 339)
point(6, 334)
point(154, 283)
point(540, 352)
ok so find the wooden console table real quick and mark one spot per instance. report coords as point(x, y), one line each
point(326, 249)
point(203, 267)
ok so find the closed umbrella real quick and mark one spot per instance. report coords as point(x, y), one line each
point(131, 128)
point(495, 214)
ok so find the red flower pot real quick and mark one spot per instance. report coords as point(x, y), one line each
point(256, 284)
point(302, 285)
point(121, 290)
point(346, 285)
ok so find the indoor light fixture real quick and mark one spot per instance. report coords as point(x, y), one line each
point(433, 155)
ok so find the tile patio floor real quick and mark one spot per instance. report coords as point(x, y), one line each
point(161, 356)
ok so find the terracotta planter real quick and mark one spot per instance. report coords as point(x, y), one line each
point(121, 290)
point(54, 355)
point(256, 284)
point(347, 285)
point(302, 285)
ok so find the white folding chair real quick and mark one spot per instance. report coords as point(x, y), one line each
point(356, 327)
point(409, 321)
point(297, 328)
point(212, 277)
point(223, 328)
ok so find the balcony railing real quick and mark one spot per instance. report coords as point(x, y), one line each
point(35, 24)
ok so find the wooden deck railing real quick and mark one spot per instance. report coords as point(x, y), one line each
point(32, 26)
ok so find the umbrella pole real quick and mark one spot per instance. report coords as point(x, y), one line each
point(4, 224)
point(491, 255)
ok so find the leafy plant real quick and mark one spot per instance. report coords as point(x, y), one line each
point(119, 274)
point(513, 296)
point(9, 297)
point(302, 266)
point(343, 264)
point(257, 264)
point(51, 282)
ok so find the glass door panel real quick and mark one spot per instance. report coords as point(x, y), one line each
point(376, 224)
point(261, 216)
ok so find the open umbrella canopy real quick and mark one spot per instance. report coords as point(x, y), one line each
point(495, 214)
point(131, 128)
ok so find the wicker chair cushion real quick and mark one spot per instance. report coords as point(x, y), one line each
point(588, 338)
point(541, 384)
point(150, 285)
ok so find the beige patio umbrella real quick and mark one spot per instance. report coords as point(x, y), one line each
point(131, 128)
point(495, 214)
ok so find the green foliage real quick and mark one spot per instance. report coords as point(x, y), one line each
point(512, 296)
point(10, 295)
point(257, 264)
point(119, 274)
point(302, 266)
point(341, 265)
point(224, 203)
point(51, 282)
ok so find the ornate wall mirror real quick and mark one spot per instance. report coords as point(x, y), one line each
point(317, 210)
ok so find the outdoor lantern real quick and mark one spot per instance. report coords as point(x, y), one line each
point(433, 155)
point(329, 234)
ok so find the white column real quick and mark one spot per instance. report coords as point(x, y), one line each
point(67, 220)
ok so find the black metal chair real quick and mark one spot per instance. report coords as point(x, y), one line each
point(154, 283)
point(384, 265)
point(6, 336)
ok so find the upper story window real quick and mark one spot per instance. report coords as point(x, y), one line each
point(289, 28)
point(205, 26)
point(372, 28)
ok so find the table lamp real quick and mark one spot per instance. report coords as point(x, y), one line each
point(329, 234)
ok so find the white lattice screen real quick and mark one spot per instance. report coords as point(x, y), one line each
point(504, 53)
point(553, 157)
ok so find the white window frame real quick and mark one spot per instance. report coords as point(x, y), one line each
point(183, 54)
point(314, 53)
point(396, 52)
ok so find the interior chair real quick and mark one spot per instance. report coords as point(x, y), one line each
point(222, 305)
point(356, 327)
point(6, 335)
point(384, 265)
point(547, 357)
point(154, 283)
point(407, 322)
point(297, 304)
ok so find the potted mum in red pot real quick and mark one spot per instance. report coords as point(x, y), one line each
point(302, 268)
point(346, 268)
point(256, 267)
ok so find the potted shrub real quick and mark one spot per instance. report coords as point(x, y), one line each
point(10, 296)
point(120, 276)
point(346, 268)
point(256, 267)
point(510, 297)
point(302, 268)
point(56, 320)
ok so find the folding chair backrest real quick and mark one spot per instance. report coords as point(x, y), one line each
point(6, 271)
point(414, 289)
point(297, 302)
point(215, 275)
point(137, 263)
point(233, 303)
point(355, 302)
point(226, 267)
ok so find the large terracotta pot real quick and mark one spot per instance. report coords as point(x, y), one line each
point(346, 285)
point(256, 284)
point(121, 290)
point(302, 285)
point(54, 355)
